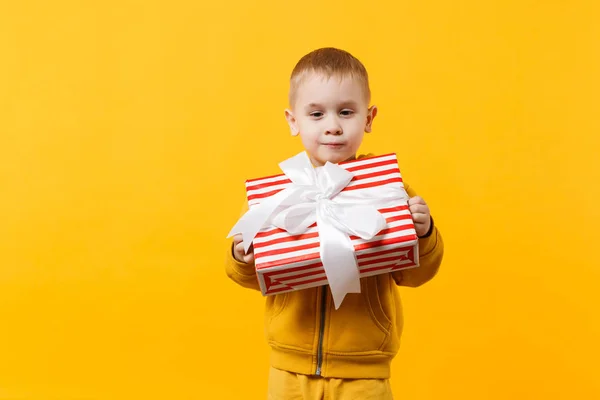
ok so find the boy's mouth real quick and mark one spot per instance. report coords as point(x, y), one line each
point(333, 145)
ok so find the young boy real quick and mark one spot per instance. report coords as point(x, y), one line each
point(318, 352)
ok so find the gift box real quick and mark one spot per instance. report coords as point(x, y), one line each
point(330, 225)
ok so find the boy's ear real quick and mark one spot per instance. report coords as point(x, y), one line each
point(291, 120)
point(371, 114)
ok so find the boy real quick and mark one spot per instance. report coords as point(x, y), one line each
point(318, 352)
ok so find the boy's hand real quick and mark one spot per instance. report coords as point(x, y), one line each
point(238, 251)
point(421, 216)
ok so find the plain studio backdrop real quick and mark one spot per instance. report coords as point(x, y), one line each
point(127, 129)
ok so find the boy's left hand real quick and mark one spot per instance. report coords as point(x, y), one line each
point(420, 214)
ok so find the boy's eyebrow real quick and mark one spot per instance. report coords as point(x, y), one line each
point(347, 103)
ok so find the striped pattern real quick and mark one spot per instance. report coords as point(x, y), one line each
point(285, 262)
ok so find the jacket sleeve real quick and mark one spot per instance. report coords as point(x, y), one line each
point(431, 252)
point(241, 273)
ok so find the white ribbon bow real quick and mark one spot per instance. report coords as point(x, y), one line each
point(315, 195)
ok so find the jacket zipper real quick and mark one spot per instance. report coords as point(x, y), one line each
point(321, 330)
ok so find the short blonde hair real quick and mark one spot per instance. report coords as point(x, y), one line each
point(329, 62)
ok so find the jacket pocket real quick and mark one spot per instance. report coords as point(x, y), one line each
point(381, 301)
point(363, 322)
point(290, 319)
point(275, 304)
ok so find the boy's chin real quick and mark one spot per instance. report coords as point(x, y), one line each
point(321, 160)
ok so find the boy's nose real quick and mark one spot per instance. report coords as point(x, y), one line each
point(333, 127)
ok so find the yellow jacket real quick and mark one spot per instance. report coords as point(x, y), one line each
point(309, 336)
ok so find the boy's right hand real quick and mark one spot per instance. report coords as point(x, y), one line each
point(238, 251)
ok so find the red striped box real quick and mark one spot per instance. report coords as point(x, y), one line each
point(285, 262)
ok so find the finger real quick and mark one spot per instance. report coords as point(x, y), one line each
point(237, 238)
point(420, 218)
point(420, 230)
point(249, 258)
point(240, 247)
point(416, 200)
point(419, 209)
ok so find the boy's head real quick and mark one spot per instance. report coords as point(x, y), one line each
point(329, 105)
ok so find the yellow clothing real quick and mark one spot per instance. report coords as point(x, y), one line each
point(285, 385)
point(309, 336)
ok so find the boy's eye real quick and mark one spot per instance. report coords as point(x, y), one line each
point(346, 112)
point(316, 114)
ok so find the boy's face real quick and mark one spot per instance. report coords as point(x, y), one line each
point(331, 116)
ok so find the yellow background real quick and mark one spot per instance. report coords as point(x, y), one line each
point(127, 129)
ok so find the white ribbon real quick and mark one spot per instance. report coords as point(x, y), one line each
point(315, 195)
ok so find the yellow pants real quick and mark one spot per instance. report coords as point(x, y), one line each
point(289, 386)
